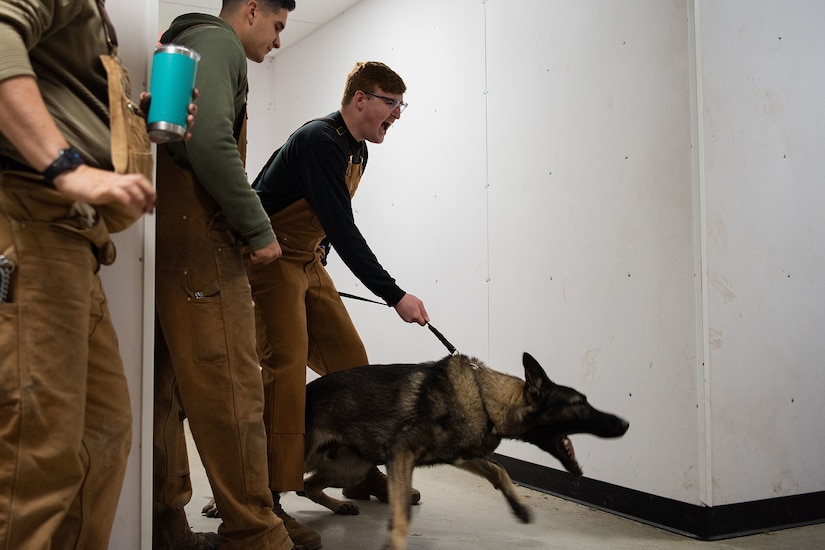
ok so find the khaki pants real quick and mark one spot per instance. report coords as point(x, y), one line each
point(206, 368)
point(301, 322)
point(65, 417)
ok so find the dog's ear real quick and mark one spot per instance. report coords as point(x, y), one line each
point(535, 377)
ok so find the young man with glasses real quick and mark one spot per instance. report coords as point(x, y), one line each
point(306, 188)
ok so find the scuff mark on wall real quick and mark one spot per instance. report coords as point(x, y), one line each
point(722, 286)
point(590, 364)
point(715, 338)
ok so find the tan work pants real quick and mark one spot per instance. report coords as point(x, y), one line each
point(206, 368)
point(65, 417)
point(301, 322)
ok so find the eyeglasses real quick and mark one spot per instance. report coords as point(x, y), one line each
point(393, 103)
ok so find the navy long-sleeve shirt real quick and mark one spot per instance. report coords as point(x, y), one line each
point(312, 165)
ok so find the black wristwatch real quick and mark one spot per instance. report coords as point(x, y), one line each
point(67, 160)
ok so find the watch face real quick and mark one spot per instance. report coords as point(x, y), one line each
point(68, 159)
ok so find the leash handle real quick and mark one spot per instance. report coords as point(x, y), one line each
point(447, 344)
point(354, 297)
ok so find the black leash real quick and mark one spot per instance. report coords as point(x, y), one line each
point(441, 338)
point(354, 297)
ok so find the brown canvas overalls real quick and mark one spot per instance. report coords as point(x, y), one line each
point(65, 416)
point(301, 322)
point(206, 365)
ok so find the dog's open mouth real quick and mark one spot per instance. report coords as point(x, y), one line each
point(562, 449)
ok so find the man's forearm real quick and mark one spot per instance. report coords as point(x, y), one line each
point(27, 124)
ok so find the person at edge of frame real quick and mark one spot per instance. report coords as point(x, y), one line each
point(75, 167)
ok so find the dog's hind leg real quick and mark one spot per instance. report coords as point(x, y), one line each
point(498, 476)
point(314, 490)
point(333, 466)
point(399, 484)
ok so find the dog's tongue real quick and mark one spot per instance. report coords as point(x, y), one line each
point(563, 450)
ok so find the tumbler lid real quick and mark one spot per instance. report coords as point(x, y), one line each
point(177, 48)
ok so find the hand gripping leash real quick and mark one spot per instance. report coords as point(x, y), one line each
point(447, 344)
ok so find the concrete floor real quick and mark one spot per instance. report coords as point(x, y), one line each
point(461, 511)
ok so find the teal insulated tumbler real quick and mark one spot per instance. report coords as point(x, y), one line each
point(173, 81)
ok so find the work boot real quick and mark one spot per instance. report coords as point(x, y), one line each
point(375, 484)
point(171, 531)
point(301, 535)
point(210, 510)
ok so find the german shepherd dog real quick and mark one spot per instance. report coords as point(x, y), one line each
point(453, 411)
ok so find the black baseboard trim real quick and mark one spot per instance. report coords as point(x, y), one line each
point(700, 522)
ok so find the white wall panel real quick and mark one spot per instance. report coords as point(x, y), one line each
point(591, 222)
point(764, 135)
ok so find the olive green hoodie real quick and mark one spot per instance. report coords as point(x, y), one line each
point(212, 152)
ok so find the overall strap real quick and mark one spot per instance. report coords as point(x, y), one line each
point(108, 28)
point(340, 131)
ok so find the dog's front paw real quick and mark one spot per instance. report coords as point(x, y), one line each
point(347, 508)
point(523, 513)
